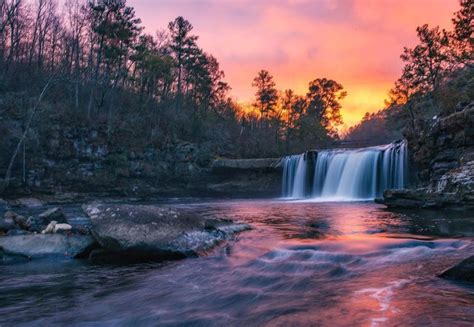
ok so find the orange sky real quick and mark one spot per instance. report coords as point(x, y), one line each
point(355, 42)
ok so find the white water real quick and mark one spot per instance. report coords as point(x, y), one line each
point(345, 175)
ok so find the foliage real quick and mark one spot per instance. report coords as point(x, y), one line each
point(142, 90)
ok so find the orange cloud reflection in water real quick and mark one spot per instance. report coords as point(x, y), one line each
point(355, 42)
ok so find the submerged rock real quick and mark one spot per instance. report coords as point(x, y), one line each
point(38, 246)
point(463, 271)
point(156, 233)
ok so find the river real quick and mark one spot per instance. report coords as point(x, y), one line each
point(303, 264)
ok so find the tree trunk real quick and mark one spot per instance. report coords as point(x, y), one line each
point(7, 177)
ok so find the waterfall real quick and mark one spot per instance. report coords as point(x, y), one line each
point(294, 176)
point(350, 174)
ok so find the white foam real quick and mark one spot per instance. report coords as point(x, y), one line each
point(384, 297)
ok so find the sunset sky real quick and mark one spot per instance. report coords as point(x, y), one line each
point(355, 42)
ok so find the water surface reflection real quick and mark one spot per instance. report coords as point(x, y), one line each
point(302, 264)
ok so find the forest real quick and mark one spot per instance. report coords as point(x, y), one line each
point(89, 64)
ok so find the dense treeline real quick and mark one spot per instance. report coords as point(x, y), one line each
point(89, 63)
point(437, 79)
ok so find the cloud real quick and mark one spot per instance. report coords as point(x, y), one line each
point(356, 42)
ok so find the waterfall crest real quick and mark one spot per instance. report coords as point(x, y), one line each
point(345, 175)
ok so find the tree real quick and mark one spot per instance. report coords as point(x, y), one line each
point(152, 70)
point(462, 35)
point(266, 95)
point(292, 107)
point(183, 47)
point(115, 30)
point(323, 97)
point(426, 62)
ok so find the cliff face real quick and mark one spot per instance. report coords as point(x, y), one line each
point(70, 162)
point(443, 144)
point(443, 154)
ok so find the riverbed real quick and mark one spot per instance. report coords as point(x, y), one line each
point(303, 263)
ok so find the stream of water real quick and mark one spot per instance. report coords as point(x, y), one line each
point(328, 264)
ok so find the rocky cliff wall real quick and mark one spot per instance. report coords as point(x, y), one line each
point(442, 144)
point(443, 154)
point(67, 161)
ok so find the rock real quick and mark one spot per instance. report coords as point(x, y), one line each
point(156, 233)
point(39, 246)
point(35, 224)
point(50, 228)
point(61, 228)
point(9, 215)
point(21, 221)
point(454, 189)
point(6, 225)
point(463, 271)
point(404, 198)
point(40, 223)
point(7, 222)
point(55, 214)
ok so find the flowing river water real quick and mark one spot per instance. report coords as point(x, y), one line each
point(303, 264)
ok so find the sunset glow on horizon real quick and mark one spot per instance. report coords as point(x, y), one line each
point(355, 42)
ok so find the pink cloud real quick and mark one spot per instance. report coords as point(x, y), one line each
point(356, 42)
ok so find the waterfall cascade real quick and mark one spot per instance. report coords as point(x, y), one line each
point(350, 174)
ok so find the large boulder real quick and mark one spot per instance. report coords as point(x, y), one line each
point(156, 233)
point(38, 246)
point(463, 271)
point(403, 198)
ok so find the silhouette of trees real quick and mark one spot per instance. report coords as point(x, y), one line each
point(324, 96)
point(462, 35)
point(301, 121)
point(437, 77)
point(426, 62)
point(266, 95)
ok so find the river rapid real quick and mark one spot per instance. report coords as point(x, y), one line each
point(302, 264)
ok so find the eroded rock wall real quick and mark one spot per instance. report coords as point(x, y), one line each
point(442, 145)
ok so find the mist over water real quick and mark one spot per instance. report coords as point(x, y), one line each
point(330, 264)
point(345, 175)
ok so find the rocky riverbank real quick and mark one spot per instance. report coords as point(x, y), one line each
point(442, 153)
point(115, 233)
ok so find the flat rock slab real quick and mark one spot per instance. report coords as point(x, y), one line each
point(156, 232)
point(38, 246)
point(463, 271)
